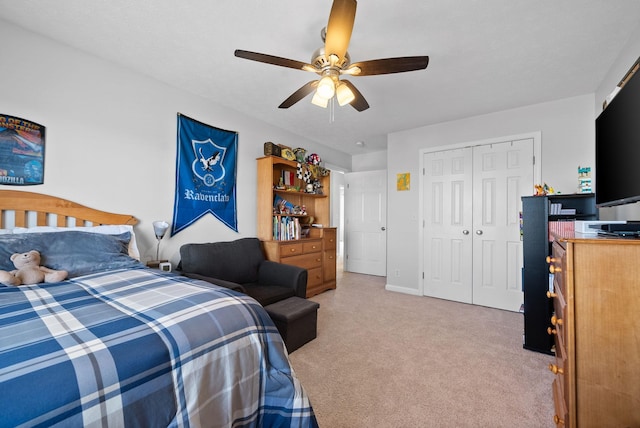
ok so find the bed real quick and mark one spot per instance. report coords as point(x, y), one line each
point(119, 344)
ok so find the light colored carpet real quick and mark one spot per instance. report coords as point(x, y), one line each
point(386, 359)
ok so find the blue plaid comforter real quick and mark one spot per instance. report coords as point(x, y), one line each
point(142, 348)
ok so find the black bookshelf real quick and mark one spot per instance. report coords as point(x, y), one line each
point(536, 215)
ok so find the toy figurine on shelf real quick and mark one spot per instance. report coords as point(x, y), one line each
point(543, 189)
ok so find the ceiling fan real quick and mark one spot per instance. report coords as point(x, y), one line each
point(333, 60)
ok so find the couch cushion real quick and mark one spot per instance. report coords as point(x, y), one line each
point(235, 261)
point(266, 295)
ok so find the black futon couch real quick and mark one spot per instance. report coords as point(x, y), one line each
point(241, 265)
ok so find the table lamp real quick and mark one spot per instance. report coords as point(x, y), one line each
point(159, 228)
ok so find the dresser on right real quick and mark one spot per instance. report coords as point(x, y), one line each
point(596, 326)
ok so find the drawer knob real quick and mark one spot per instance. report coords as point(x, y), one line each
point(551, 295)
point(557, 420)
point(555, 369)
point(551, 331)
point(550, 259)
point(554, 269)
point(556, 321)
point(293, 250)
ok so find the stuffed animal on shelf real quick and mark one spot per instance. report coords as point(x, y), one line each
point(28, 271)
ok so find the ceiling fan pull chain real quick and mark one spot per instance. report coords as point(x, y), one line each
point(332, 110)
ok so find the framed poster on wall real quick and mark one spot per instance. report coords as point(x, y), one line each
point(21, 151)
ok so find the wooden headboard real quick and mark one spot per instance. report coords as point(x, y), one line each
point(34, 209)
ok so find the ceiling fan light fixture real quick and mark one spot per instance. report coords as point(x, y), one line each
point(326, 87)
point(319, 100)
point(344, 94)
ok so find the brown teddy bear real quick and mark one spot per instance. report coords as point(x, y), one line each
point(28, 271)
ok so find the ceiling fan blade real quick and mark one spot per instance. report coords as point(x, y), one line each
point(359, 103)
point(299, 94)
point(274, 60)
point(388, 65)
point(339, 27)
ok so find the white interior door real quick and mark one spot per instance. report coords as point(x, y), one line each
point(472, 249)
point(503, 173)
point(365, 222)
point(448, 198)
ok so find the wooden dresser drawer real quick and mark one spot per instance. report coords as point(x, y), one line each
point(561, 365)
point(557, 266)
point(558, 319)
point(312, 246)
point(307, 261)
point(314, 277)
point(329, 265)
point(559, 303)
point(330, 238)
point(561, 414)
point(291, 249)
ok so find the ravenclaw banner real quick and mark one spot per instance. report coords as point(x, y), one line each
point(205, 174)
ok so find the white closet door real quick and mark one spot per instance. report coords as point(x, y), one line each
point(472, 248)
point(448, 199)
point(503, 173)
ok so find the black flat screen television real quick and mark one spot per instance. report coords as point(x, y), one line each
point(617, 171)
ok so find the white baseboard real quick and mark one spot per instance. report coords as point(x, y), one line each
point(404, 290)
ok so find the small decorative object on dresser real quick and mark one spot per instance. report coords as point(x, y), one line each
point(271, 149)
point(300, 154)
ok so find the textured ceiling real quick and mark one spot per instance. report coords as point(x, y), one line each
point(485, 56)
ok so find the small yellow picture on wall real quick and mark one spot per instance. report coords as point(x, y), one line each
point(403, 181)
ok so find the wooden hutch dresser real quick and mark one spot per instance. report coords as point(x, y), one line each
point(315, 252)
point(596, 326)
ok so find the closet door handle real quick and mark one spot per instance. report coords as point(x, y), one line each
point(465, 232)
point(478, 232)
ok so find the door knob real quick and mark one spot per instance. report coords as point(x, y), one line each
point(478, 232)
point(465, 232)
point(383, 228)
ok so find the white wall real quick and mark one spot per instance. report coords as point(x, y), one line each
point(567, 142)
point(111, 136)
point(369, 161)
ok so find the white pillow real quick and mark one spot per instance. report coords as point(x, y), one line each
point(104, 230)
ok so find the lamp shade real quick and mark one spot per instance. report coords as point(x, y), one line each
point(160, 228)
point(326, 87)
point(319, 101)
point(344, 94)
